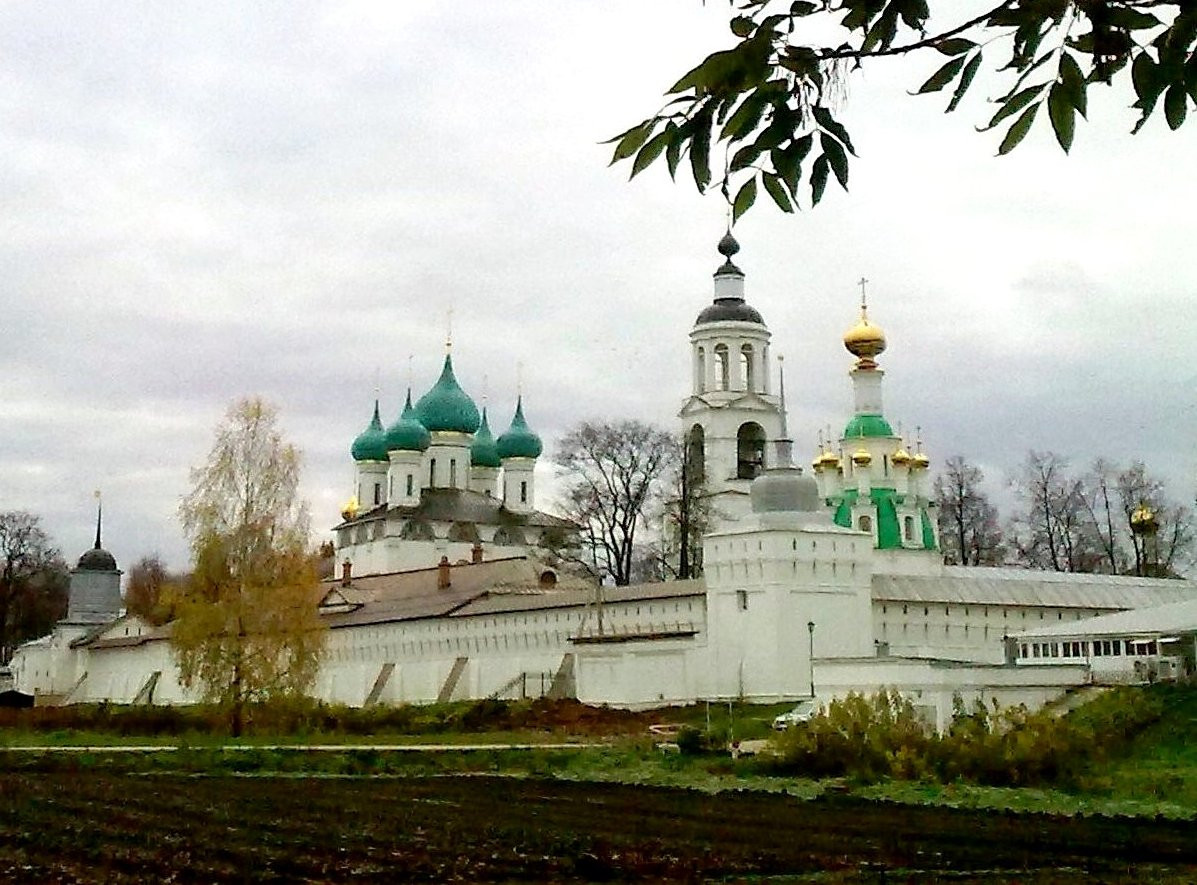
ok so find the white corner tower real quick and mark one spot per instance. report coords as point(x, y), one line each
point(731, 412)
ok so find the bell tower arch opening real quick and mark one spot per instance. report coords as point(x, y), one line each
point(750, 450)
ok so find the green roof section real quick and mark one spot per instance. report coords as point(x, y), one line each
point(928, 531)
point(867, 425)
point(889, 533)
point(371, 443)
point(519, 441)
point(447, 407)
point(407, 434)
point(484, 452)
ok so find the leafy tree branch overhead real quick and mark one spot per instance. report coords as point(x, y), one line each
point(767, 106)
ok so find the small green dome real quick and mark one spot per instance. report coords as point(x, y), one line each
point(519, 441)
point(867, 425)
point(484, 452)
point(446, 406)
point(407, 434)
point(371, 443)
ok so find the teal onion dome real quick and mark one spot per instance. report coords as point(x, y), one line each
point(519, 441)
point(446, 406)
point(408, 434)
point(484, 452)
point(371, 443)
point(868, 425)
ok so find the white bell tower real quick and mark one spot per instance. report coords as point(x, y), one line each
point(731, 413)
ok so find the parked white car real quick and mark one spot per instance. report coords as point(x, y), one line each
point(805, 709)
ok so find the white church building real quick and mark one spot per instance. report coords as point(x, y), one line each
point(822, 582)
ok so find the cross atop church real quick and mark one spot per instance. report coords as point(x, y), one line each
point(864, 300)
point(449, 328)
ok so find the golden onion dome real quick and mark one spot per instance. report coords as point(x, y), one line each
point(901, 457)
point(817, 463)
point(865, 340)
point(920, 461)
point(349, 508)
point(862, 458)
point(831, 461)
point(1143, 520)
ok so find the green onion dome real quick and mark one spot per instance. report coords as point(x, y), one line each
point(868, 425)
point(519, 441)
point(484, 452)
point(446, 406)
point(408, 434)
point(371, 443)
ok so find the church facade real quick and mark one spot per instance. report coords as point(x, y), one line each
point(819, 581)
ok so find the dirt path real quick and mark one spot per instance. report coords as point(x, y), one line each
point(94, 826)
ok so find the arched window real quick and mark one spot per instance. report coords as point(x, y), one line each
point(866, 523)
point(750, 450)
point(909, 528)
point(747, 374)
point(700, 371)
point(432, 473)
point(696, 456)
point(722, 367)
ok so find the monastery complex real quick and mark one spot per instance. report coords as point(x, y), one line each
point(817, 581)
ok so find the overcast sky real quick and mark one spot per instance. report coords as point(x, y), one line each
point(206, 201)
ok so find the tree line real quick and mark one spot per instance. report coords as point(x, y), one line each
point(1108, 518)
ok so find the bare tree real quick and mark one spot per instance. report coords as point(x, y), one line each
point(968, 522)
point(1054, 529)
point(1172, 543)
point(33, 581)
point(611, 473)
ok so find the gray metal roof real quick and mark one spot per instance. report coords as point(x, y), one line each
point(1159, 620)
point(462, 505)
point(499, 603)
point(1010, 586)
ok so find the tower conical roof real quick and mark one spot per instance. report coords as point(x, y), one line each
point(484, 452)
point(446, 406)
point(407, 434)
point(371, 443)
point(519, 441)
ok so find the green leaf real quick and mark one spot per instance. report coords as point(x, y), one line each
point(1175, 106)
point(818, 179)
point(777, 191)
point(632, 140)
point(943, 76)
point(1018, 131)
point(700, 150)
point(1073, 81)
point(673, 153)
point(744, 199)
point(747, 115)
point(650, 152)
point(801, 7)
point(966, 79)
point(834, 152)
point(788, 161)
point(1014, 104)
point(742, 26)
point(915, 13)
point(954, 46)
point(744, 158)
point(1145, 77)
point(826, 121)
point(1062, 114)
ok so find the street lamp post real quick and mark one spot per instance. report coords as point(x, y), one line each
point(810, 627)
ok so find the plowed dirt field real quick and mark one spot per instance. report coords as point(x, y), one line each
point(104, 827)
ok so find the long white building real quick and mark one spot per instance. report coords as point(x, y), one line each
point(829, 581)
